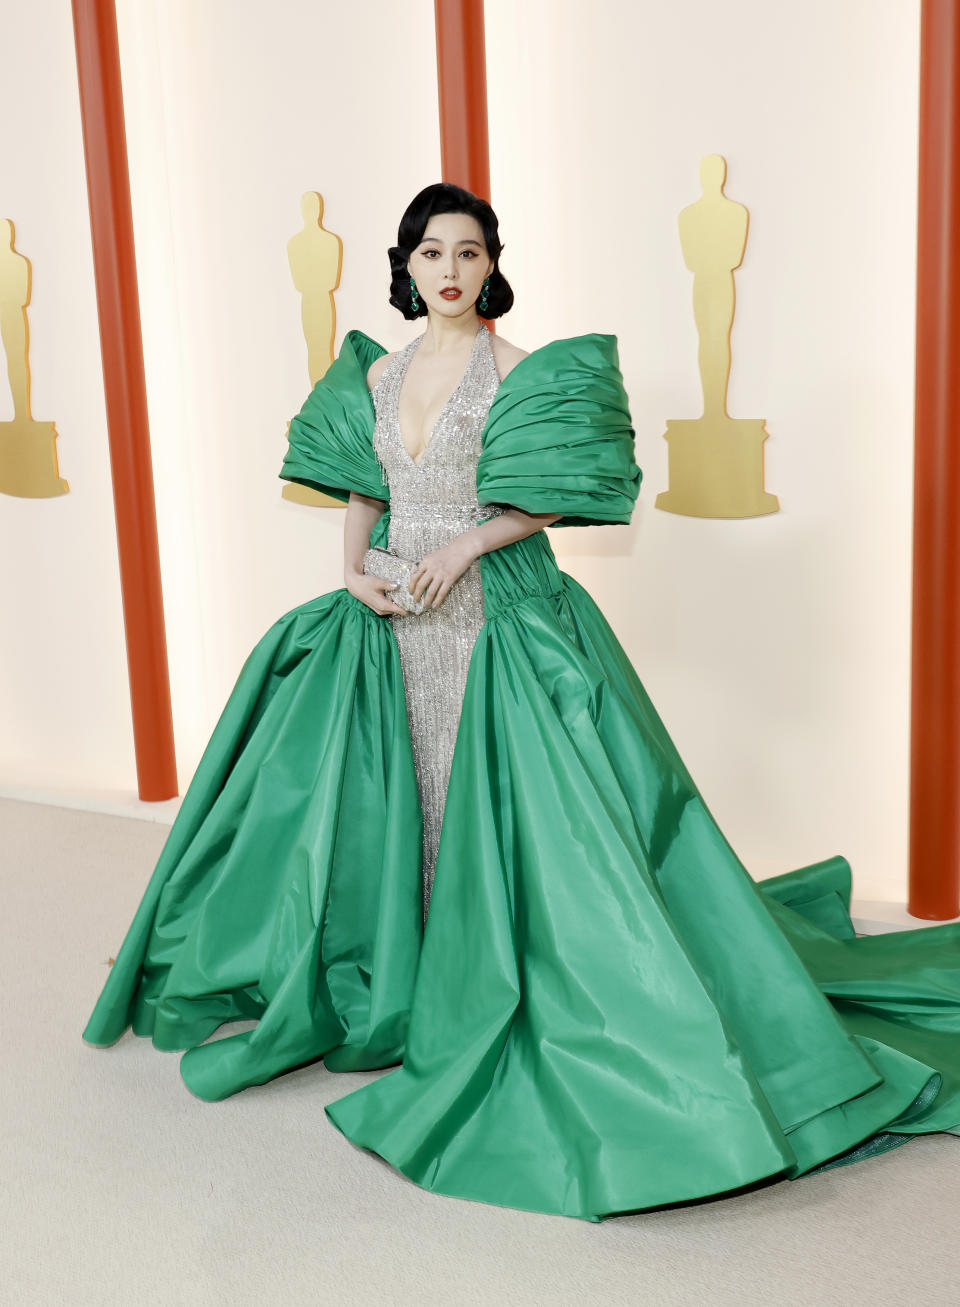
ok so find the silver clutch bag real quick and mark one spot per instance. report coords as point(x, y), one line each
point(391, 567)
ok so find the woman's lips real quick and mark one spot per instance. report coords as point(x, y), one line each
point(451, 293)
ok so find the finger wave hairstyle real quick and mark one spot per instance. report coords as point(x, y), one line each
point(444, 197)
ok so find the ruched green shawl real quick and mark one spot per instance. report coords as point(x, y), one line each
point(558, 436)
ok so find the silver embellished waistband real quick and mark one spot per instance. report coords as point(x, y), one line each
point(417, 508)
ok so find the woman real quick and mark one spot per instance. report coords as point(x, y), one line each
point(462, 840)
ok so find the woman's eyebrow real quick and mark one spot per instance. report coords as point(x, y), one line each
point(468, 240)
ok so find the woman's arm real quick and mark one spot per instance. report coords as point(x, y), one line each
point(509, 526)
point(361, 516)
point(438, 570)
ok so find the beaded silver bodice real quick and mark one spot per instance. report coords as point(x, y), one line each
point(431, 501)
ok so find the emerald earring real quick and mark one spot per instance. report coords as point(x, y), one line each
point(414, 302)
point(484, 295)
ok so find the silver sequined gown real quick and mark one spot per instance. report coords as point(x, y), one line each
point(431, 501)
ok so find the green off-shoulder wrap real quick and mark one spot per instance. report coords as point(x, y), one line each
point(558, 437)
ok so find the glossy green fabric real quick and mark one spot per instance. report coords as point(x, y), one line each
point(605, 1012)
point(329, 441)
point(558, 437)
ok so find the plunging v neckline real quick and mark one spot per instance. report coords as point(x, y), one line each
point(418, 464)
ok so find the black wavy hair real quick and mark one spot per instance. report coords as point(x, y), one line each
point(444, 197)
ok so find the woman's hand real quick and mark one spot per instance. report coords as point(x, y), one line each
point(371, 590)
point(437, 571)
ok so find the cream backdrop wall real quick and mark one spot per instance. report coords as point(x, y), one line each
point(776, 649)
point(64, 703)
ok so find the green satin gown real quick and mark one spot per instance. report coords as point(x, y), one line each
point(604, 1012)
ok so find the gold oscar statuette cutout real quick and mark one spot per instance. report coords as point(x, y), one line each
point(316, 257)
point(715, 461)
point(28, 450)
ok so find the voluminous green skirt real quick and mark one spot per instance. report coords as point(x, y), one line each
point(604, 1012)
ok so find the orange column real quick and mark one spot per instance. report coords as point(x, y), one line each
point(121, 349)
point(462, 87)
point(935, 689)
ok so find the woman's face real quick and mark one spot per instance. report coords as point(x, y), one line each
point(451, 256)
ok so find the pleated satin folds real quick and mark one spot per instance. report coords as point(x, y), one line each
point(282, 893)
point(609, 1013)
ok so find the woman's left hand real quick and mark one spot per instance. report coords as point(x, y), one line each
point(437, 571)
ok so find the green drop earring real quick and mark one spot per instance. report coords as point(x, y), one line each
point(414, 302)
point(484, 295)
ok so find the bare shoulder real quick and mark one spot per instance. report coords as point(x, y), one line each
point(506, 355)
point(377, 367)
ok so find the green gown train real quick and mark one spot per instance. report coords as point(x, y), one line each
point(604, 1012)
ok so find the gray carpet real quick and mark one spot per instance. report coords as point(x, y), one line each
point(120, 1187)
